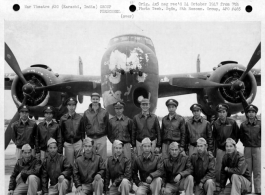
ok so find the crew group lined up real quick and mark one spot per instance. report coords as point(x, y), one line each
point(186, 163)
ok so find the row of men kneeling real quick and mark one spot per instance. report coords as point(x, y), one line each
point(177, 172)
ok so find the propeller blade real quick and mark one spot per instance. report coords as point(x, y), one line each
point(9, 133)
point(12, 61)
point(195, 83)
point(254, 59)
point(243, 100)
point(24, 100)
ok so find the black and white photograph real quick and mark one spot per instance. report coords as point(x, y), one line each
point(132, 107)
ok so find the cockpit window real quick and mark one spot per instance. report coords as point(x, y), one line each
point(149, 42)
point(124, 38)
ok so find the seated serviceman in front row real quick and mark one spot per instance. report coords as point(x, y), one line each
point(203, 163)
point(234, 168)
point(147, 164)
point(176, 172)
point(89, 169)
point(25, 177)
point(57, 169)
point(118, 172)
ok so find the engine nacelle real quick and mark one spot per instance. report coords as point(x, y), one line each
point(211, 97)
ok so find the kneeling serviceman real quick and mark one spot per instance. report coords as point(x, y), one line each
point(89, 169)
point(25, 177)
point(203, 163)
point(57, 169)
point(118, 172)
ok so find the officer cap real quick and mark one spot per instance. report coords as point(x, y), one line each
point(251, 107)
point(173, 145)
point(88, 140)
point(50, 141)
point(146, 141)
point(221, 107)
point(196, 107)
point(230, 140)
point(71, 100)
point(95, 94)
point(201, 141)
point(117, 142)
point(49, 109)
point(172, 102)
point(119, 104)
point(23, 108)
point(145, 101)
point(26, 147)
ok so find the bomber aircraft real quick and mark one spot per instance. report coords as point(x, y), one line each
point(129, 73)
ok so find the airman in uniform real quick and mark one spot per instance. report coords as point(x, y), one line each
point(146, 124)
point(96, 124)
point(25, 178)
point(120, 128)
point(118, 172)
point(223, 128)
point(197, 127)
point(203, 163)
point(146, 165)
point(173, 128)
point(234, 168)
point(250, 136)
point(24, 131)
point(89, 171)
point(57, 169)
point(47, 129)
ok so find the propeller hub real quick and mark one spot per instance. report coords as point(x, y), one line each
point(238, 85)
point(28, 88)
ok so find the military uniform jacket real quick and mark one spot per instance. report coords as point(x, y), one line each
point(24, 133)
point(32, 167)
point(208, 168)
point(52, 168)
point(236, 165)
point(250, 134)
point(172, 167)
point(146, 167)
point(146, 127)
point(85, 169)
point(72, 128)
point(45, 132)
point(117, 170)
point(222, 131)
point(197, 129)
point(174, 129)
point(96, 123)
point(120, 129)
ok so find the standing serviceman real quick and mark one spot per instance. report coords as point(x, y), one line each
point(250, 136)
point(223, 128)
point(73, 132)
point(173, 128)
point(23, 131)
point(145, 124)
point(197, 127)
point(96, 124)
point(47, 129)
point(120, 128)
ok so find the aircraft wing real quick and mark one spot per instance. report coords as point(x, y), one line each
point(166, 89)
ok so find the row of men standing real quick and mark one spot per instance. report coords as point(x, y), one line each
point(71, 130)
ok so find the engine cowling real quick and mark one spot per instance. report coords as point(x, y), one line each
point(211, 97)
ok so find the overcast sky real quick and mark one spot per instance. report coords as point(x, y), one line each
point(177, 45)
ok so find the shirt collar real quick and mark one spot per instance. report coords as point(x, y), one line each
point(52, 158)
point(24, 122)
point(73, 115)
point(142, 115)
point(48, 123)
point(172, 116)
point(91, 109)
point(231, 156)
point(92, 156)
point(25, 163)
point(199, 120)
point(175, 159)
point(150, 155)
point(203, 155)
point(220, 123)
point(121, 118)
point(117, 158)
point(254, 122)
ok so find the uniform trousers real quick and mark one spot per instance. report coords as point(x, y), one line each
point(219, 157)
point(208, 188)
point(154, 187)
point(123, 189)
point(253, 158)
point(95, 186)
point(19, 153)
point(239, 185)
point(139, 147)
point(60, 188)
point(185, 184)
point(31, 186)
